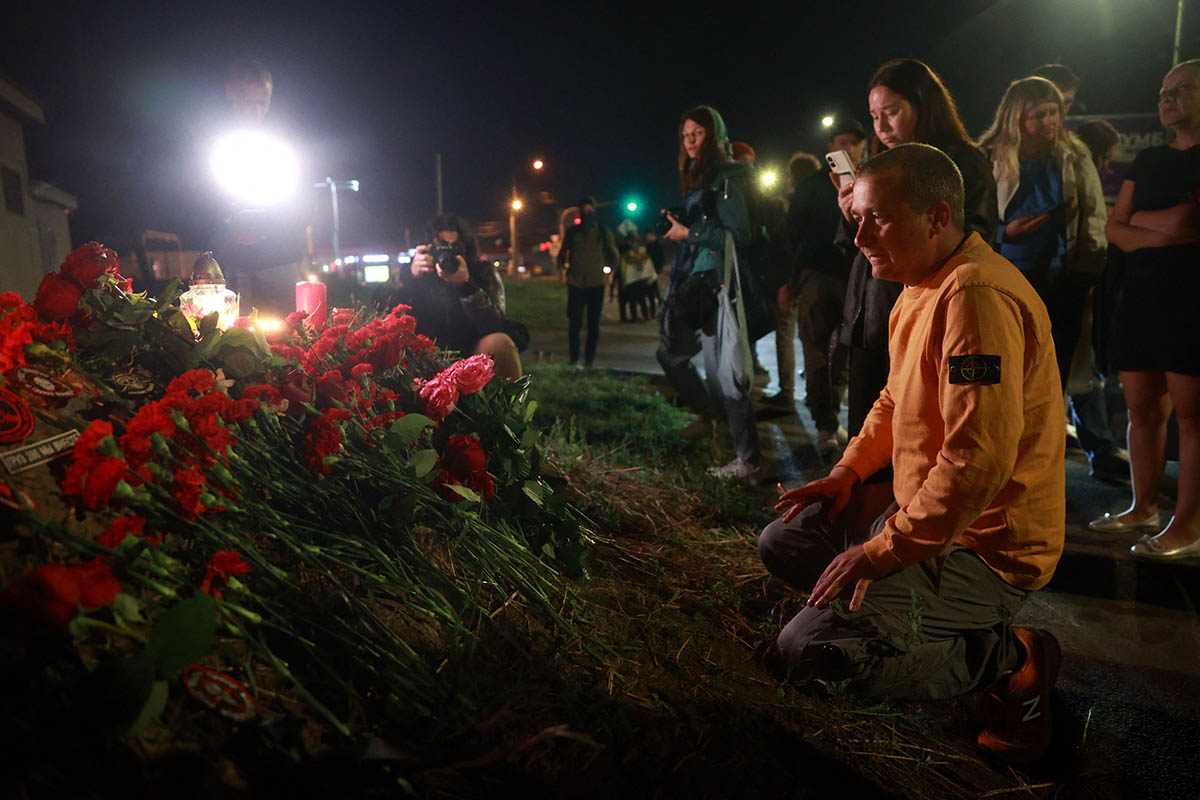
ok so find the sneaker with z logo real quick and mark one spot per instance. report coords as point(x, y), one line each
point(1017, 707)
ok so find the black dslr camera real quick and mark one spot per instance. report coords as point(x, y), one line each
point(445, 255)
point(662, 224)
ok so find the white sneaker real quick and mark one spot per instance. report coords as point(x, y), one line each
point(737, 470)
point(832, 440)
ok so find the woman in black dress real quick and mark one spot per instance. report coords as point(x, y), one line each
point(1156, 221)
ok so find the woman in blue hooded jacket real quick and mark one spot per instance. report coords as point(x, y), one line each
point(714, 188)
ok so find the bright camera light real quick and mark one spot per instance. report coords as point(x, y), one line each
point(375, 258)
point(827, 121)
point(521, 268)
point(768, 178)
point(607, 270)
point(377, 273)
point(256, 168)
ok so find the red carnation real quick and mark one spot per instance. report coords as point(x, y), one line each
point(119, 528)
point(262, 392)
point(358, 370)
point(97, 585)
point(332, 388)
point(47, 596)
point(57, 297)
point(186, 489)
point(197, 381)
point(102, 481)
point(223, 565)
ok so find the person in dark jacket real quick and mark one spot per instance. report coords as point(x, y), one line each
point(460, 309)
point(908, 103)
point(817, 286)
point(715, 188)
point(587, 249)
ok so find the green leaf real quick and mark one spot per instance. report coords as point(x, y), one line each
point(423, 462)
point(530, 410)
point(240, 337)
point(183, 635)
point(533, 490)
point(169, 293)
point(529, 437)
point(465, 492)
point(410, 426)
point(152, 710)
point(127, 606)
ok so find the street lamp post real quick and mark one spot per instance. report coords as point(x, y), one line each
point(333, 187)
point(514, 205)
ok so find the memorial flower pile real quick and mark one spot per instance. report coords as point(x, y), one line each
point(348, 506)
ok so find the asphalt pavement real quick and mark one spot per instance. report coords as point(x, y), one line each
point(1128, 696)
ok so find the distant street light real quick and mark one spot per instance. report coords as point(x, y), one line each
point(827, 121)
point(631, 206)
point(517, 205)
point(768, 178)
point(538, 164)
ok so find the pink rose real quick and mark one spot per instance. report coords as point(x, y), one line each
point(439, 395)
point(472, 374)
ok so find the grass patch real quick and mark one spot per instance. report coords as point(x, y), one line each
point(609, 412)
point(538, 303)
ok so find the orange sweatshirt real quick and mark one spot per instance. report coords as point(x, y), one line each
point(971, 420)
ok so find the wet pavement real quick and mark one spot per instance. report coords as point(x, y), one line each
point(1128, 696)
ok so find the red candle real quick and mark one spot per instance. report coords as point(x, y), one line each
point(310, 298)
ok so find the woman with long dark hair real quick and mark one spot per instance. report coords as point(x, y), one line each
point(1156, 222)
point(714, 189)
point(908, 103)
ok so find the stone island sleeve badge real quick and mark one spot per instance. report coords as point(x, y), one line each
point(974, 369)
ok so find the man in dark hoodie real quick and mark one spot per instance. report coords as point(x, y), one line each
point(587, 249)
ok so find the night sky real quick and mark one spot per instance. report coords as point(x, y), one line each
point(371, 90)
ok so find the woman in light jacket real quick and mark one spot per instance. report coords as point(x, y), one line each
point(1052, 211)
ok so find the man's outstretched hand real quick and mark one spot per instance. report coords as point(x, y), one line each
point(852, 566)
point(835, 486)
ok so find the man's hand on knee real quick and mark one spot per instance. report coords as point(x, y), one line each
point(836, 486)
point(852, 566)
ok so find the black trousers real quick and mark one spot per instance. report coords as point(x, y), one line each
point(590, 298)
point(868, 376)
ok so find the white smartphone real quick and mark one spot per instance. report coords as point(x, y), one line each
point(839, 161)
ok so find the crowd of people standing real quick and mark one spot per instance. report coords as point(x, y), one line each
point(1033, 192)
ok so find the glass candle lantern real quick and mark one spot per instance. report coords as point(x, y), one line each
point(208, 293)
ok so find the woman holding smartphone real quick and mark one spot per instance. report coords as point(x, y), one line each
point(714, 189)
point(908, 103)
point(1156, 221)
point(1052, 206)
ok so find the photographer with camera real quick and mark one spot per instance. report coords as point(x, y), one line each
point(457, 298)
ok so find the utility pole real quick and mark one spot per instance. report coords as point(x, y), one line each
point(333, 187)
point(437, 172)
point(513, 207)
point(1178, 33)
